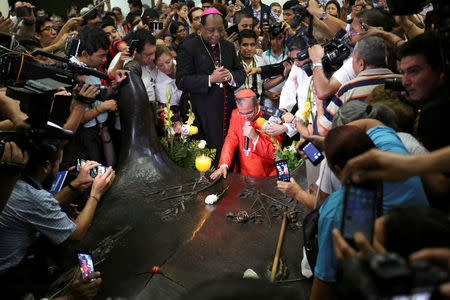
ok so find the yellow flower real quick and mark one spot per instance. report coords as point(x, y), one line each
point(307, 106)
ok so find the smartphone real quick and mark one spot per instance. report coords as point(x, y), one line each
point(282, 170)
point(86, 264)
point(311, 151)
point(80, 164)
point(232, 29)
point(23, 11)
point(359, 212)
point(98, 170)
point(265, 18)
point(155, 26)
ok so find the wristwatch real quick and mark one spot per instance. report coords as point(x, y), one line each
point(323, 16)
point(316, 65)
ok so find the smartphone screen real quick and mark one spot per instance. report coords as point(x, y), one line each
point(86, 264)
point(155, 25)
point(311, 151)
point(359, 212)
point(282, 170)
point(80, 164)
point(98, 170)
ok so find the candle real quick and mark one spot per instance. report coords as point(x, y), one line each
point(202, 163)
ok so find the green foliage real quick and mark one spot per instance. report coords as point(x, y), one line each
point(184, 150)
point(289, 153)
point(291, 156)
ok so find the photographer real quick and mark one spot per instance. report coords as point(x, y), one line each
point(11, 164)
point(32, 209)
point(277, 53)
point(340, 146)
point(411, 232)
point(325, 87)
point(368, 63)
point(87, 143)
point(288, 16)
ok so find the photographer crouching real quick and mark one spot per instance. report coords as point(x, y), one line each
point(32, 213)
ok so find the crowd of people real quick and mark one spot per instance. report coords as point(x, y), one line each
point(365, 85)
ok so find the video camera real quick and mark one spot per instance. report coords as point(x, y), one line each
point(34, 85)
point(388, 276)
point(336, 51)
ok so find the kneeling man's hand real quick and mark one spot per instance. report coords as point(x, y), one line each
point(222, 171)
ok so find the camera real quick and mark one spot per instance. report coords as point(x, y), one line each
point(34, 85)
point(276, 29)
point(101, 96)
point(268, 112)
point(336, 51)
point(300, 13)
point(388, 276)
point(394, 84)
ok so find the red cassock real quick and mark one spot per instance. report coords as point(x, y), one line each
point(260, 160)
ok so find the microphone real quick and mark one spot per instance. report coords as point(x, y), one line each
point(247, 123)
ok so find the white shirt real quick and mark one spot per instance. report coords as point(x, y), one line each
point(165, 84)
point(297, 77)
point(345, 72)
point(149, 74)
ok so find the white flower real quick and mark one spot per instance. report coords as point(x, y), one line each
point(292, 148)
point(211, 199)
point(202, 144)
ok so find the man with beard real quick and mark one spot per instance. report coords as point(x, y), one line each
point(31, 211)
point(209, 69)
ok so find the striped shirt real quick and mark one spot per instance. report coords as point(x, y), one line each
point(28, 213)
point(356, 89)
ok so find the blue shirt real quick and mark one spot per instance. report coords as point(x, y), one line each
point(409, 192)
point(28, 213)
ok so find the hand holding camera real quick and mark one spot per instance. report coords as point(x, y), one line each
point(13, 155)
point(84, 178)
point(88, 91)
point(103, 182)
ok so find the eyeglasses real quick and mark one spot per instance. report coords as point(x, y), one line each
point(247, 114)
point(351, 32)
point(181, 30)
point(50, 28)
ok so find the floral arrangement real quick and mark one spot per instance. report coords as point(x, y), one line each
point(183, 149)
point(287, 153)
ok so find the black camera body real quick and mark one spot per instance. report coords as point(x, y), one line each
point(386, 275)
point(101, 96)
point(276, 29)
point(336, 51)
point(300, 13)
